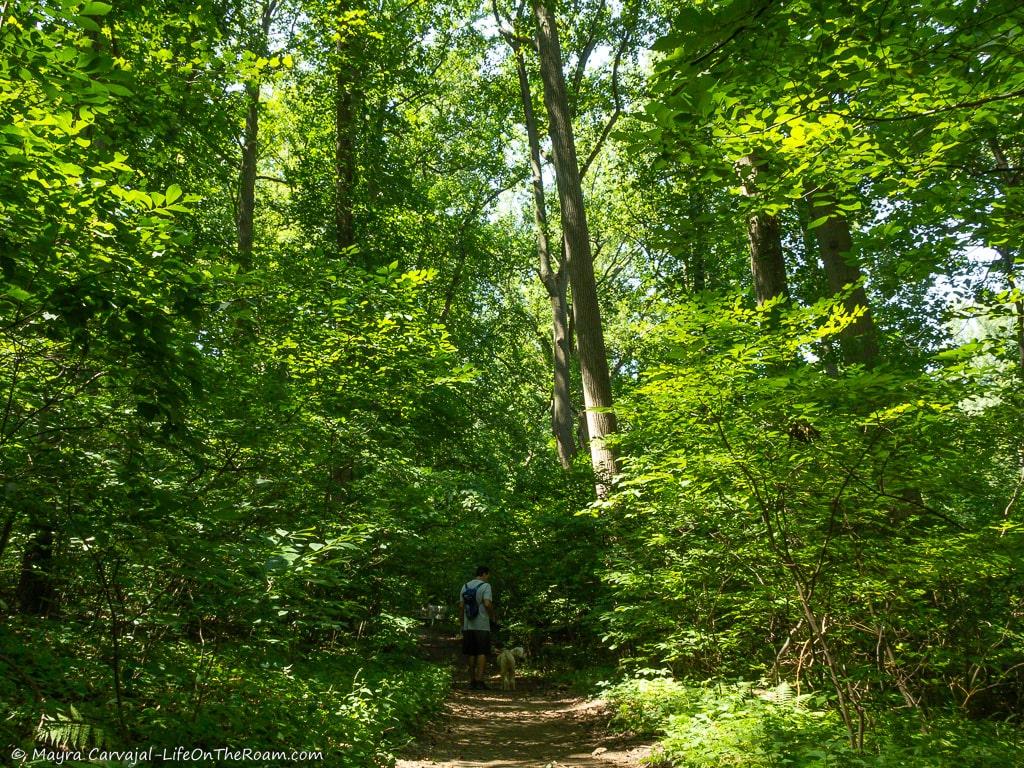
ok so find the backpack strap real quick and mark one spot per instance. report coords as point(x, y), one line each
point(479, 600)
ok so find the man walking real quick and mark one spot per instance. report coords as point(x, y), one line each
point(476, 609)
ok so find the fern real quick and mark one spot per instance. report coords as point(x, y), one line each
point(781, 694)
point(70, 731)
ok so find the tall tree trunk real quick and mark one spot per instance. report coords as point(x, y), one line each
point(696, 264)
point(345, 105)
point(554, 282)
point(767, 265)
point(697, 270)
point(247, 190)
point(250, 146)
point(858, 341)
point(597, 390)
point(561, 407)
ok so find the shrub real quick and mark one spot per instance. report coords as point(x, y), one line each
point(719, 724)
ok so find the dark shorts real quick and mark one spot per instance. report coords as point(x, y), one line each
point(476, 642)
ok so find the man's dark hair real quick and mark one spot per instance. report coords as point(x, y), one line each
point(482, 570)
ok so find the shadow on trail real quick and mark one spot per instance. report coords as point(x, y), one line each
point(534, 725)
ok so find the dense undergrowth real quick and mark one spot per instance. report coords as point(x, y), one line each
point(846, 532)
point(352, 704)
point(716, 724)
point(275, 366)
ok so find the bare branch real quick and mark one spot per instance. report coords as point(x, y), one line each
point(588, 49)
point(615, 113)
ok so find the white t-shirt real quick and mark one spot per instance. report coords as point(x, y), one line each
point(483, 592)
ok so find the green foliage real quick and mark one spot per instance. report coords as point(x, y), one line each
point(353, 705)
point(199, 463)
point(332, 702)
point(773, 517)
point(907, 137)
point(230, 478)
point(69, 731)
point(744, 724)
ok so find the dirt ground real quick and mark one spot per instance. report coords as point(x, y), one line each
point(513, 729)
point(532, 727)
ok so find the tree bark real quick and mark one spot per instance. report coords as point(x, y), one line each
point(597, 391)
point(344, 150)
point(250, 147)
point(561, 408)
point(247, 186)
point(554, 282)
point(697, 271)
point(695, 263)
point(767, 265)
point(858, 341)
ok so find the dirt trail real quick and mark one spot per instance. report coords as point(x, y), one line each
point(531, 727)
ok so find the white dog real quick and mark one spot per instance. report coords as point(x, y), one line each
point(507, 664)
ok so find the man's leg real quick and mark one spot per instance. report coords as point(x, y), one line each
point(481, 665)
point(469, 651)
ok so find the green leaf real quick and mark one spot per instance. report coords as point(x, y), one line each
point(20, 294)
point(96, 9)
point(119, 90)
point(86, 23)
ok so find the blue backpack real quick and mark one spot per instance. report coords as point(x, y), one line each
point(469, 599)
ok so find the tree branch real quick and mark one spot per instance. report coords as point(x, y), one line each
point(938, 110)
point(588, 49)
point(721, 44)
point(615, 113)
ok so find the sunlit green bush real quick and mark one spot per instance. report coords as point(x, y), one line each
point(718, 724)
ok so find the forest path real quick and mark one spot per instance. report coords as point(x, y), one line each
point(531, 727)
